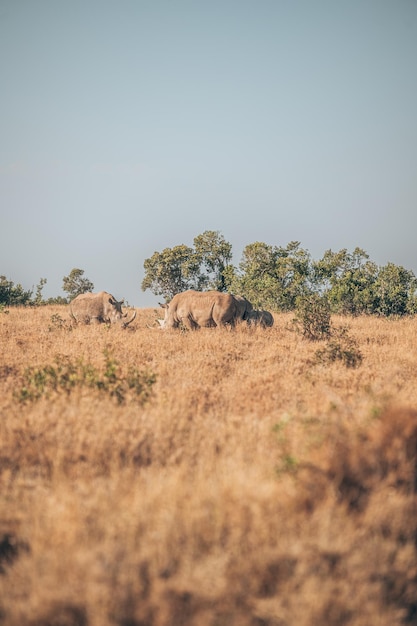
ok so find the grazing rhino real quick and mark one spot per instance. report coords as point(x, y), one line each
point(260, 318)
point(98, 308)
point(198, 309)
point(244, 307)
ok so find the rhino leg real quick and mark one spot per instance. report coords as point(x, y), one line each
point(189, 322)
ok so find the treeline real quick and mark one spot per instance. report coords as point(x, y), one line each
point(12, 294)
point(272, 277)
point(281, 278)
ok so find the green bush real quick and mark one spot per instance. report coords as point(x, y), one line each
point(13, 295)
point(64, 376)
point(340, 347)
point(58, 323)
point(312, 317)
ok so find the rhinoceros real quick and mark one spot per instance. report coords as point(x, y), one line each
point(98, 308)
point(260, 318)
point(244, 307)
point(197, 309)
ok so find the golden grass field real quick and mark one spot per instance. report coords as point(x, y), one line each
point(253, 488)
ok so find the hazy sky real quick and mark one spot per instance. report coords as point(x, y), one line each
point(130, 126)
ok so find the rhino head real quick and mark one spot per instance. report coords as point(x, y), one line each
point(117, 314)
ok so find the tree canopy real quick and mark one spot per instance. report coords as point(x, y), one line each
point(277, 278)
point(13, 295)
point(273, 277)
point(74, 284)
point(201, 267)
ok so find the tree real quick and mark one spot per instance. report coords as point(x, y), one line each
point(273, 277)
point(180, 268)
point(171, 271)
point(294, 273)
point(255, 279)
point(348, 279)
point(214, 255)
point(74, 284)
point(395, 289)
point(56, 300)
point(13, 295)
point(38, 295)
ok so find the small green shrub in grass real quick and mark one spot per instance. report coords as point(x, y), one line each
point(312, 317)
point(64, 376)
point(340, 347)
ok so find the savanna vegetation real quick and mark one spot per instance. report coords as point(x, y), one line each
point(276, 278)
point(256, 477)
point(12, 294)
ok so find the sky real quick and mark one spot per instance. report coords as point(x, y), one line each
point(130, 126)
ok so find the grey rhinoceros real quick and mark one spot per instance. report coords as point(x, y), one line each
point(198, 309)
point(260, 318)
point(99, 307)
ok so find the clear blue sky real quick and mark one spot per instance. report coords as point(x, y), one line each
point(129, 126)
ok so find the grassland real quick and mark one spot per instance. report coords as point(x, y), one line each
point(253, 486)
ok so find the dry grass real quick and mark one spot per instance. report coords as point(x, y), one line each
point(253, 489)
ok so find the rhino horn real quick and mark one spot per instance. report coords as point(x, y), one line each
point(131, 320)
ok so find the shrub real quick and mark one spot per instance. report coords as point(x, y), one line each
point(313, 322)
point(13, 295)
point(312, 319)
point(340, 347)
point(58, 323)
point(64, 376)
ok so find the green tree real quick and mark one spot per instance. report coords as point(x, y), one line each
point(348, 279)
point(395, 289)
point(13, 295)
point(38, 300)
point(56, 300)
point(171, 271)
point(74, 284)
point(214, 255)
point(273, 277)
point(255, 278)
point(204, 266)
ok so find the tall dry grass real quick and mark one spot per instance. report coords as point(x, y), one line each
point(254, 488)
